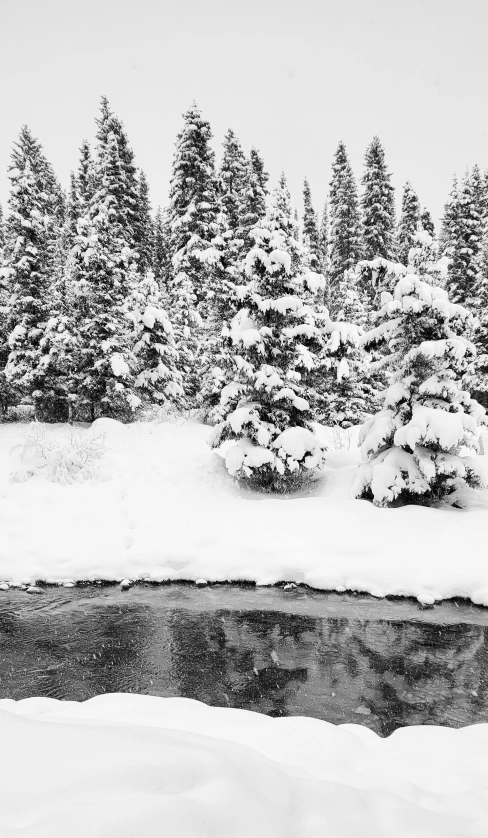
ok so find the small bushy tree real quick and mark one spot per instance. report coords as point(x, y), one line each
point(420, 447)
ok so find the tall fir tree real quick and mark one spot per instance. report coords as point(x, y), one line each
point(408, 223)
point(2, 233)
point(378, 204)
point(254, 199)
point(161, 255)
point(143, 227)
point(93, 337)
point(232, 179)
point(463, 234)
point(476, 378)
point(28, 263)
point(193, 220)
point(345, 219)
point(310, 230)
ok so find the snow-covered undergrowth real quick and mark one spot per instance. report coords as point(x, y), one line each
point(123, 765)
point(163, 507)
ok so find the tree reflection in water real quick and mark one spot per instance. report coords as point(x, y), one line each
point(378, 672)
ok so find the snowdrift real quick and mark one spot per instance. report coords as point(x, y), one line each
point(163, 507)
point(124, 765)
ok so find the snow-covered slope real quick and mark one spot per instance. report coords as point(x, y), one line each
point(166, 508)
point(124, 765)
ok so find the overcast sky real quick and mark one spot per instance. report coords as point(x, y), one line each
point(291, 78)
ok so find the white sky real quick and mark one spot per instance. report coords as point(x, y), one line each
point(291, 78)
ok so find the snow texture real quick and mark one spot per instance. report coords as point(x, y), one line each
point(163, 507)
point(123, 765)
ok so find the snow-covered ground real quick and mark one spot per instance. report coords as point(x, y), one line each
point(165, 508)
point(124, 765)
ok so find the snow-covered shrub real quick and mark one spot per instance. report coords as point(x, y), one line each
point(70, 459)
point(266, 399)
point(420, 447)
point(340, 438)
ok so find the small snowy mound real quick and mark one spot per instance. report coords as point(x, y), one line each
point(124, 765)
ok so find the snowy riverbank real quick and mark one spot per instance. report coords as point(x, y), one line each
point(167, 509)
point(118, 765)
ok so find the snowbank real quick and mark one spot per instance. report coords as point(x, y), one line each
point(165, 508)
point(123, 765)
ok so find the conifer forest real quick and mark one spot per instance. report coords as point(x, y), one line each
point(257, 316)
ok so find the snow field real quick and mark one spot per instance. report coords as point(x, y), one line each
point(164, 508)
point(120, 765)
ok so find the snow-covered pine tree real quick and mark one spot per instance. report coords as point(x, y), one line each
point(232, 182)
point(324, 244)
point(378, 204)
point(427, 222)
point(419, 448)
point(408, 223)
point(463, 230)
point(310, 231)
point(158, 378)
point(161, 256)
point(449, 220)
point(193, 219)
point(345, 219)
point(423, 259)
point(351, 392)
point(255, 194)
point(86, 176)
point(266, 401)
point(476, 378)
point(2, 233)
point(28, 265)
point(143, 226)
point(193, 201)
point(93, 340)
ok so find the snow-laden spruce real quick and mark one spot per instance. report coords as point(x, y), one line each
point(276, 339)
point(422, 445)
point(158, 377)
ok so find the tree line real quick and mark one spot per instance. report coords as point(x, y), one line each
point(226, 298)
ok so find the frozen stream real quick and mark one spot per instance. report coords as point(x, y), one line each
point(342, 658)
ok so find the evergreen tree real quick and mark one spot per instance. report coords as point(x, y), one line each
point(254, 200)
point(427, 222)
point(378, 204)
point(324, 241)
point(477, 375)
point(311, 239)
point(158, 378)
point(193, 219)
point(86, 176)
point(193, 196)
point(232, 182)
point(345, 219)
point(449, 221)
point(407, 226)
point(28, 263)
point(2, 234)
point(419, 447)
point(92, 336)
point(350, 388)
point(144, 228)
point(266, 402)
point(161, 257)
point(463, 233)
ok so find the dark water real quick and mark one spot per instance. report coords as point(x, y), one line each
point(336, 657)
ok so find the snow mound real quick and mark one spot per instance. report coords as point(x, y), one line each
point(123, 765)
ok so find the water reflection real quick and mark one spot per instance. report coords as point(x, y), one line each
point(337, 659)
